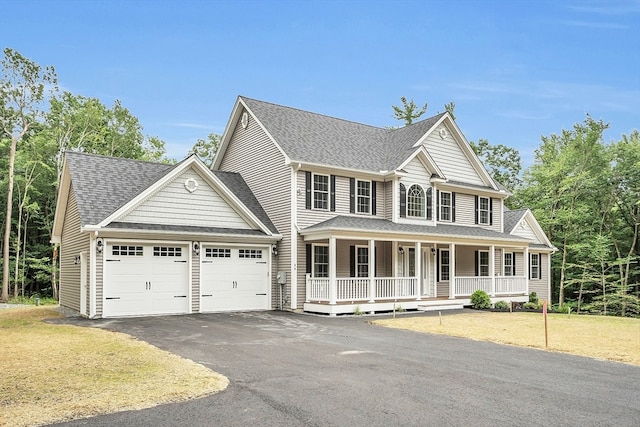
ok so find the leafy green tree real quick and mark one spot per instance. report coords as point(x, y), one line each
point(23, 88)
point(503, 163)
point(409, 111)
point(449, 108)
point(206, 149)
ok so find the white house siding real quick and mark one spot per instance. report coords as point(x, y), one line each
point(174, 205)
point(308, 217)
point(252, 154)
point(416, 174)
point(450, 158)
point(388, 200)
point(541, 286)
point(72, 243)
point(383, 257)
point(524, 230)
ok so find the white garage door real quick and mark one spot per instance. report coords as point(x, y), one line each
point(233, 279)
point(143, 279)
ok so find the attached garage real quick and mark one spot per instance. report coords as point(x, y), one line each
point(234, 278)
point(145, 279)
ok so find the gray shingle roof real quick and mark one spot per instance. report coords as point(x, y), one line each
point(383, 225)
point(511, 219)
point(315, 138)
point(103, 185)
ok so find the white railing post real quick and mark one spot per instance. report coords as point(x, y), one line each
point(307, 287)
point(333, 290)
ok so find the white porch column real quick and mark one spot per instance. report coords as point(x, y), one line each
point(333, 291)
point(418, 261)
point(526, 267)
point(372, 270)
point(394, 258)
point(492, 269)
point(452, 270)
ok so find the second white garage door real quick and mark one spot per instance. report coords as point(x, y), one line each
point(234, 279)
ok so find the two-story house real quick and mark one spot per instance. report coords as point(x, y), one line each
point(373, 218)
point(299, 211)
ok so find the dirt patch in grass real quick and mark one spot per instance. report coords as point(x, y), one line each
point(54, 373)
point(602, 337)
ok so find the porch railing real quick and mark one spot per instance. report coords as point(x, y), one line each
point(468, 285)
point(511, 285)
point(395, 287)
point(357, 288)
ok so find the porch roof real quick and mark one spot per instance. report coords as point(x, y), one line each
point(352, 225)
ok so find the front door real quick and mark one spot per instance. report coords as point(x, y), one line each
point(428, 285)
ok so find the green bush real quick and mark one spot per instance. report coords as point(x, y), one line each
point(533, 297)
point(530, 306)
point(501, 305)
point(480, 300)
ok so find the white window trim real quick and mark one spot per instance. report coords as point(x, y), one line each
point(424, 202)
point(448, 265)
point(480, 264)
point(358, 263)
point(314, 191)
point(450, 206)
point(480, 210)
point(313, 258)
point(538, 275)
point(504, 264)
point(358, 211)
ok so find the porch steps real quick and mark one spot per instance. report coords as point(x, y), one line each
point(442, 306)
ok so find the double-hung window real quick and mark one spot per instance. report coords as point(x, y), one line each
point(363, 197)
point(508, 263)
point(321, 192)
point(535, 266)
point(444, 265)
point(445, 206)
point(415, 202)
point(320, 261)
point(483, 263)
point(483, 210)
point(362, 261)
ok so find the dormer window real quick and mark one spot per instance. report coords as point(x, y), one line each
point(415, 202)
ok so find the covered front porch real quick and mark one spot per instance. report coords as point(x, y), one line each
point(343, 278)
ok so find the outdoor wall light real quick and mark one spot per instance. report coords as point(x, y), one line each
point(99, 245)
point(433, 250)
point(196, 248)
point(400, 249)
point(274, 250)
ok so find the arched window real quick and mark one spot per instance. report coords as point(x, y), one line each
point(415, 202)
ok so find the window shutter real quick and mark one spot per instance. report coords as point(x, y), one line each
point(403, 201)
point(429, 203)
point(453, 207)
point(530, 277)
point(477, 213)
point(352, 195)
point(437, 265)
point(490, 211)
point(352, 261)
point(438, 205)
point(513, 267)
point(309, 254)
point(308, 188)
point(477, 263)
point(373, 197)
point(333, 193)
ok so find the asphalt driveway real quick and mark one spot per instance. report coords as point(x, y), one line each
point(288, 369)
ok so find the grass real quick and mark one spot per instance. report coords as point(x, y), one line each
point(610, 338)
point(54, 373)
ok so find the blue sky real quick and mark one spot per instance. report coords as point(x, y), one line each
point(516, 69)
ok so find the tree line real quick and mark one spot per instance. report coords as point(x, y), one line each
point(584, 191)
